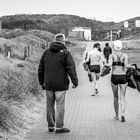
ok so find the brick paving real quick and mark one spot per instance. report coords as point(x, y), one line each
point(91, 117)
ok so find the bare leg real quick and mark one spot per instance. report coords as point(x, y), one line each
point(97, 82)
point(93, 83)
point(116, 103)
point(122, 100)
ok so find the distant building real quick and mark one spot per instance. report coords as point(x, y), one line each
point(126, 25)
point(76, 35)
point(86, 32)
point(137, 23)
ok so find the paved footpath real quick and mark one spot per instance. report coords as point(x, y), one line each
point(91, 117)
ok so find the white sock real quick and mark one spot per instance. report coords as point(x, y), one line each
point(97, 84)
point(93, 86)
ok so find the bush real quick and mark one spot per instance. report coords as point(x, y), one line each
point(16, 84)
point(20, 93)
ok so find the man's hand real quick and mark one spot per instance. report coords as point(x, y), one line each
point(42, 87)
point(104, 63)
point(134, 66)
point(74, 86)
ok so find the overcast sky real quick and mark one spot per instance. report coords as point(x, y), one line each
point(104, 10)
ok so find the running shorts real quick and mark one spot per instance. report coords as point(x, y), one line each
point(94, 68)
point(118, 79)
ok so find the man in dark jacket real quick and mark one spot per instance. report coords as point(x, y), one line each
point(107, 51)
point(55, 68)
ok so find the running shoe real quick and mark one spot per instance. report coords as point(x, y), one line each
point(96, 91)
point(51, 129)
point(116, 118)
point(63, 130)
point(90, 77)
point(122, 119)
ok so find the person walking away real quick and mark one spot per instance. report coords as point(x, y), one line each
point(55, 67)
point(95, 58)
point(119, 62)
point(107, 51)
point(99, 48)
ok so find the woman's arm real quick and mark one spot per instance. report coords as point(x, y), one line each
point(126, 62)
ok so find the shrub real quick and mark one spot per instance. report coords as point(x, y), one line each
point(20, 93)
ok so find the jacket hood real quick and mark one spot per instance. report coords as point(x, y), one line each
point(57, 46)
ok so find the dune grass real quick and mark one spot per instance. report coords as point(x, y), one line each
point(132, 48)
point(20, 95)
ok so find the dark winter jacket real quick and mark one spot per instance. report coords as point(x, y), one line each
point(107, 51)
point(55, 68)
point(133, 78)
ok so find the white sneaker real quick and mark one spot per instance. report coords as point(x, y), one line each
point(116, 118)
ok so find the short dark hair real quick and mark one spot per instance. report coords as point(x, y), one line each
point(107, 44)
point(95, 45)
point(98, 44)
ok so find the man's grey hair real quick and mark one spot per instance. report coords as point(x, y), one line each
point(59, 37)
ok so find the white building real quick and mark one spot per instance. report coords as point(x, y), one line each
point(86, 30)
point(137, 23)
